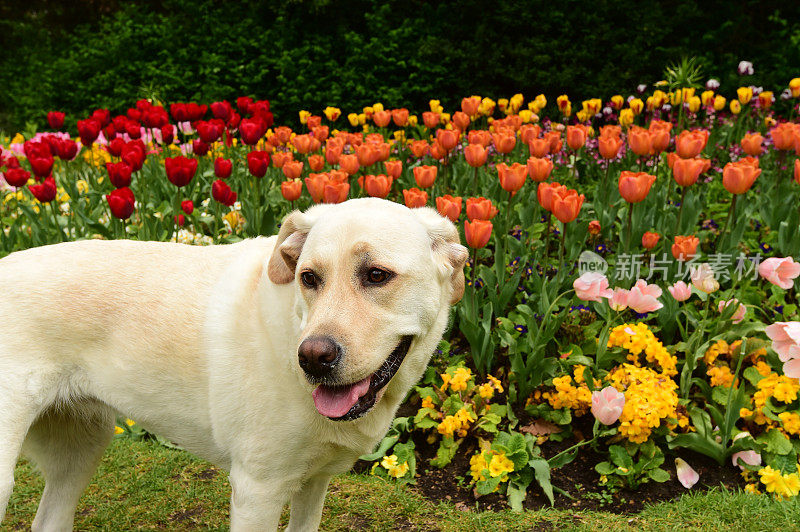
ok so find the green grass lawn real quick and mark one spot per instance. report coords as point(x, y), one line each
point(141, 485)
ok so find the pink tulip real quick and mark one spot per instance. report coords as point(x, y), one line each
point(780, 272)
point(686, 475)
point(680, 291)
point(643, 297)
point(619, 299)
point(738, 316)
point(785, 336)
point(592, 286)
point(792, 368)
point(607, 405)
point(748, 457)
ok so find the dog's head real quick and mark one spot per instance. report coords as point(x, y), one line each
point(375, 281)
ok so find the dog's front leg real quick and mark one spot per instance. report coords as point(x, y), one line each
point(256, 500)
point(307, 505)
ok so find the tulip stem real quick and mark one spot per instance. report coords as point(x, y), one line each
point(472, 283)
point(563, 246)
point(722, 233)
point(547, 243)
point(630, 229)
point(475, 183)
point(684, 190)
point(55, 220)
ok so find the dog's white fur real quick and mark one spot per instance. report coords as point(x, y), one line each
point(199, 345)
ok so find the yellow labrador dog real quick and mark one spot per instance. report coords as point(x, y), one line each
point(280, 359)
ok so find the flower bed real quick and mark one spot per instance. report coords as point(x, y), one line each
point(675, 191)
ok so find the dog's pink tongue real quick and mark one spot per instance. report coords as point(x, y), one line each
point(336, 402)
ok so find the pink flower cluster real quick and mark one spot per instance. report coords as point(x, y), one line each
point(785, 336)
point(642, 298)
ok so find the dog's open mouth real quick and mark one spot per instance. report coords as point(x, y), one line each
point(351, 401)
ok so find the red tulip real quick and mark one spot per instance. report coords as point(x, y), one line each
point(685, 247)
point(751, 144)
point(251, 130)
point(180, 170)
point(415, 198)
point(133, 153)
point(89, 130)
point(634, 186)
point(419, 148)
point(101, 116)
point(291, 190)
point(504, 141)
point(119, 174)
point(199, 147)
point(461, 120)
point(449, 207)
point(400, 117)
point(44, 192)
point(479, 136)
point(576, 137)
point(316, 162)
point(609, 146)
point(221, 110)
point(167, 134)
point(211, 130)
point(55, 119)
point(470, 105)
point(222, 168)
point(349, 163)
point(547, 192)
point(221, 192)
point(650, 239)
point(187, 206)
point(431, 120)
point(640, 141)
point(448, 138)
point(257, 163)
point(121, 202)
point(315, 183)
point(393, 168)
point(41, 166)
point(539, 147)
point(16, 177)
point(115, 146)
point(478, 233)
point(382, 118)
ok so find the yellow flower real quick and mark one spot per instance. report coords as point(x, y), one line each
point(304, 116)
point(526, 115)
point(445, 380)
point(398, 471)
point(636, 105)
point(477, 464)
point(564, 105)
point(719, 102)
point(617, 101)
point(435, 106)
point(790, 421)
point(353, 119)
point(694, 104)
point(82, 186)
point(745, 94)
point(495, 382)
point(427, 402)
point(389, 461)
point(486, 107)
point(377, 107)
point(687, 93)
point(500, 465)
point(736, 107)
point(707, 98)
point(782, 485)
point(720, 376)
point(751, 488)
point(118, 430)
point(332, 113)
point(130, 422)
point(582, 116)
point(626, 117)
point(486, 391)
point(794, 86)
point(460, 379)
point(676, 98)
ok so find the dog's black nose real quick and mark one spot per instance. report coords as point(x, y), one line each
point(319, 355)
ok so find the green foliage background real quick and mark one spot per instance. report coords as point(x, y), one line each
point(79, 55)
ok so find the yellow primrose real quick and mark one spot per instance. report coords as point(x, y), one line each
point(398, 471)
point(427, 402)
point(745, 94)
point(477, 465)
point(486, 391)
point(495, 382)
point(389, 461)
point(782, 485)
point(304, 116)
point(500, 464)
point(332, 113)
point(719, 102)
point(18, 139)
point(790, 422)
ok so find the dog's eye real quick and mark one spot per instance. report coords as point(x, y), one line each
point(309, 279)
point(377, 276)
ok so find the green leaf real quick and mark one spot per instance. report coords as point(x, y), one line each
point(445, 453)
point(776, 442)
point(605, 468)
point(541, 470)
point(658, 474)
point(620, 457)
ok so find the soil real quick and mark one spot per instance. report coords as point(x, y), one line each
point(578, 479)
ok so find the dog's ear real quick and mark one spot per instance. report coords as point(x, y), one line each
point(291, 239)
point(448, 252)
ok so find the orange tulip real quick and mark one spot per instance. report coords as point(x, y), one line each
point(419, 148)
point(751, 144)
point(480, 209)
point(610, 131)
point(567, 205)
point(425, 175)
point(649, 240)
point(316, 162)
point(336, 192)
point(640, 141)
point(302, 143)
point(685, 247)
point(512, 177)
point(283, 134)
point(783, 135)
point(539, 147)
point(634, 186)
point(315, 183)
point(377, 186)
point(547, 192)
point(797, 171)
point(528, 132)
point(738, 177)
point(504, 141)
point(279, 158)
point(320, 133)
point(313, 121)
point(479, 136)
point(384, 150)
point(448, 138)
point(431, 120)
point(381, 119)
point(292, 169)
point(349, 163)
point(689, 144)
point(659, 139)
point(332, 154)
point(671, 158)
point(609, 146)
point(449, 206)
point(576, 137)
point(338, 176)
point(394, 168)
point(470, 105)
point(415, 198)
point(594, 227)
point(437, 151)
point(686, 171)
point(367, 154)
point(400, 117)
point(555, 141)
point(539, 168)
point(478, 233)
point(475, 154)
point(291, 190)
point(461, 120)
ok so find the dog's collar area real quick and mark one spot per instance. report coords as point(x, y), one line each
point(378, 381)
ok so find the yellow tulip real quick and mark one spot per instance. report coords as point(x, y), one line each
point(564, 105)
point(660, 97)
point(487, 106)
point(445, 117)
point(582, 116)
point(541, 101)
point(377, 107)
point(434, 105)
point(794, 86)
point(413, 120)
point(617, 101)
point(332, 113)
point(707, 98)
point(353, 119)
point(636, 105)
point(687, 93)
point(304, 116)
point(694, 104)
point(650, 103)
point(626, 117)
point(736, 107)
point(526, 115)
point(675, 98)
point(745, 94)
point(719, 102)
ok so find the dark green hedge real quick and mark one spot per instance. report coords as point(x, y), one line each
point(306, 55)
